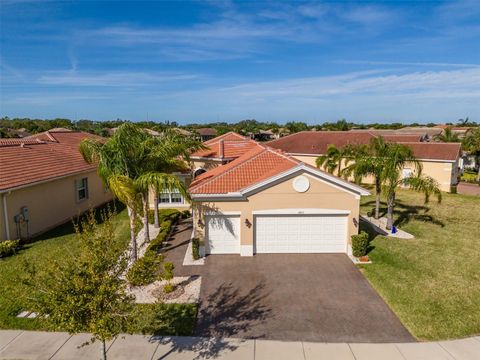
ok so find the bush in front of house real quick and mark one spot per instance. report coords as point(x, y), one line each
point(196, 248)
point(8, 247)
point(145, 270)
point(186, 214)
point(360, 244)
point(164, 214)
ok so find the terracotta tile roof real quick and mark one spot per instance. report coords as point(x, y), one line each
point(234, 145)
point(435, 151)
point(316, 143)
point(206, 131)
point(43, 156)
point(403, 138)
point(258, 164)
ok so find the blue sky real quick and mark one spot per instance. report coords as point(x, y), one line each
point(224, 60)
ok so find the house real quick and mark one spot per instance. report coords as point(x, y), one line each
point(206, 133)
point(220, 150)
point(44, 182)
point(439, 160)
point(266, 201)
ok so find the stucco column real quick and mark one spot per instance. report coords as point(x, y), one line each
point(246, 233)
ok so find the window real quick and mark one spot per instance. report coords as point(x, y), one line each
point(170, 198)
point(82, 189)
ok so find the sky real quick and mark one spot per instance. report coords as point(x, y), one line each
point(205, 61)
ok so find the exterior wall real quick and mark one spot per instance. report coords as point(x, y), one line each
point(444, 172)
point(51, 204)
point(282, 196)
point(205, 164)
point(187, 179)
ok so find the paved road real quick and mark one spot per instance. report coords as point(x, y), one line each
point(32, 345)
point(468, 189)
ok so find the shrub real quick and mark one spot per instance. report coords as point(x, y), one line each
point(360, 244)
point(164, 214)
point(156, 244)
point(168, 270)
point(168, 288)
point(8, 247)
point(186, 214)
point(196, 248)
point(145, 270)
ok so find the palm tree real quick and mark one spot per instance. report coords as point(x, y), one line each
point(332, 160)
point(472, 144)
point(448, 136)
point(370, 161)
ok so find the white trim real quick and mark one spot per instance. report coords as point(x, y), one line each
point(438, 161)
point(227, 196)
point(206, 158)
point(226, 213)
point(301, 212)
point(300, 154)
point(246, 250)
point(332, 180)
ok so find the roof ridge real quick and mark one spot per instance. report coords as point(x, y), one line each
point(235, 166)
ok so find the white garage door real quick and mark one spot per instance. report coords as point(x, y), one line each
point(301, 234)
point(222, 234)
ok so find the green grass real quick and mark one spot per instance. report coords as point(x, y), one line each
point(172, 319)
point(431, 282)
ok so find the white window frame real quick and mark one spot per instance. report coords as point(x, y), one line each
point(81, 184)
point(170, 202)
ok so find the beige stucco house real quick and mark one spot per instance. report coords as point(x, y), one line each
point(439, 160)
point(268, 202)
point(45, 182)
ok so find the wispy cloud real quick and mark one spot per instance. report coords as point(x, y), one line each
point(112, 79)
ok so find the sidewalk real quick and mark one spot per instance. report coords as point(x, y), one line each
point(17, 344)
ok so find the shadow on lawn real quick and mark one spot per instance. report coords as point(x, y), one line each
point(403, 213)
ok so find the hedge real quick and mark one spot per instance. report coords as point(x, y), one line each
point(164, 214)
point(360, 244)
point(196, 248)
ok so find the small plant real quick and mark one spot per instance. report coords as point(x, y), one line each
point(186, 214)
point(144, 271)
point(168, 288)
point(8, 247)
point(196, 248)
point(168, 270)
point(360, 244)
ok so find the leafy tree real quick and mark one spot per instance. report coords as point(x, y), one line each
point(447, 136)
point(85, 293)
point(472, 144)
point(296, 126)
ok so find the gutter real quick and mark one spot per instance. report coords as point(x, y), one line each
point(5, 215)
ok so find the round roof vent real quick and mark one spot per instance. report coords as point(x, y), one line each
point(301, 184)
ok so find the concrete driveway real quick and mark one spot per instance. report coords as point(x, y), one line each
point(308, 297)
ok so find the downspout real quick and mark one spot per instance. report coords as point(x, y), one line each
point(5, 216)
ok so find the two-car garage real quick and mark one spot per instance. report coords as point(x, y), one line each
point(287, 231)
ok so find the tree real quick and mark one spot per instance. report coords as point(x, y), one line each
point(397, 157)
point(332, 160)
point(471, 143)
point(370, 161)
point(85, 292)
point(119, 158)
point(447, 136)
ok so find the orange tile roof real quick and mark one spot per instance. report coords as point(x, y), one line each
point(234, 145)
point(316, 143)
point(258, 164)
point(42, 157)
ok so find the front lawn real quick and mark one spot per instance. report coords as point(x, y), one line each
point(433, 281)
point(172, 319)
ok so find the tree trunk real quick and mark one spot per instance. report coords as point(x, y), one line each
point(133, 234)
point(378, 191)
point(157, 221)
point(478, 164)
point(390, 205)
point(145, 217)
point(104, 349)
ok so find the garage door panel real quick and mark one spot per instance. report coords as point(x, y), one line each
point(300, 233)
point(222, 234)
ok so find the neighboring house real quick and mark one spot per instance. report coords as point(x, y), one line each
point(439, 160)
point(219, 151)
point(45, 182)
point(206, 133)
point(266, 201)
